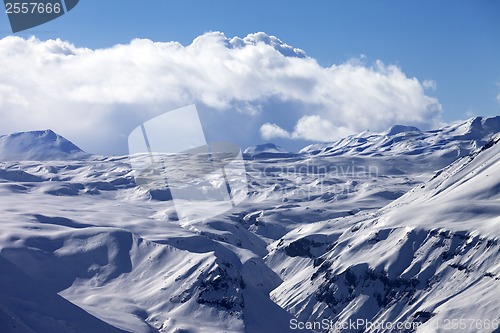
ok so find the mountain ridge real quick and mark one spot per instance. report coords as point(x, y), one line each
point(454, 140)
point(459, 138)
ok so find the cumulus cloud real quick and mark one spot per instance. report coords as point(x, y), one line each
point(315, 128)
point(246, 88)
point(271, 131)
point(312, 128)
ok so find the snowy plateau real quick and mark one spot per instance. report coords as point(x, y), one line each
point(401, 226)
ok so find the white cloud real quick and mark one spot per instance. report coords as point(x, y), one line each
point(429, 85)
point(271, 131)
point(246, 86)
point(315, 128)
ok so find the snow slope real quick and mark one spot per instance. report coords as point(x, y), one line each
point(37, 146)
point(381, 233)
point(430, 256)
point(28, 307)
point(116, 255)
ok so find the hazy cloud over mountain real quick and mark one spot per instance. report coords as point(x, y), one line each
point(251, 88)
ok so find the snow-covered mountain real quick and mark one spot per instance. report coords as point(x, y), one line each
point(405, 229)
point(37, 146)
point(430, 256)
point(449, 142)
point(266, 150)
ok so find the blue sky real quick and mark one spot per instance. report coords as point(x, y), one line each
point(455, 43)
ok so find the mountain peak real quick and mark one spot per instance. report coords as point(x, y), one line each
point(266, 150)
point(475, 128)
point(396, 129)
point(47, 132)
point(484, 123)
point(37, 146)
